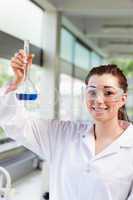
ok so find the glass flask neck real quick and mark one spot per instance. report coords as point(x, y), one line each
point(27, 69)
point(27, 73)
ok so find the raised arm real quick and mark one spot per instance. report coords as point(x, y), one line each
point(39, 135)
point(14, 118)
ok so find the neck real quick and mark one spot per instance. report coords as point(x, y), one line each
point(108, 129)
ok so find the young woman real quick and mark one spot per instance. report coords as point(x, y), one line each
point(87, 161)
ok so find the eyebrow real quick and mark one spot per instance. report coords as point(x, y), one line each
point(105, 86)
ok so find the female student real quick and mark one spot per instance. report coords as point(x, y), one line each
point(87, 161)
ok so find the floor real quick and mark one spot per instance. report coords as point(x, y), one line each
point(29, 187)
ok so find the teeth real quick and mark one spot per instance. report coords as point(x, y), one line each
point(99, 109)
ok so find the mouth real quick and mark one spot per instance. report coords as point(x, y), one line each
point(100, 109)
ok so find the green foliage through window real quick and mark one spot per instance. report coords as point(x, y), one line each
point(126, 65)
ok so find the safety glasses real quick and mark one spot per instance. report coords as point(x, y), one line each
point(109, 93)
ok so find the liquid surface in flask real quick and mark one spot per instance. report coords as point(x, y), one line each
point(24, 96)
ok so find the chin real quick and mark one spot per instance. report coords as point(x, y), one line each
point(99, 119)
point(103, 119)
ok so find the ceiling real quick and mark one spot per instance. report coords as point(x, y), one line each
point(108, 23)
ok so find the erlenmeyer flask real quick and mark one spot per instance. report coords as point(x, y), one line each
point(26, 90)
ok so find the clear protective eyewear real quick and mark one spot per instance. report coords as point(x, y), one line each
point(108, 93)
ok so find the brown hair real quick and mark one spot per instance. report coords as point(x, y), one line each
point(117, 72)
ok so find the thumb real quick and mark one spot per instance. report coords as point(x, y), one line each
point(30, 58)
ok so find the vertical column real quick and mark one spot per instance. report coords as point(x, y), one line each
point(50, 85)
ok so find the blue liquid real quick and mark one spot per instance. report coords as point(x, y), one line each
point(24, 96)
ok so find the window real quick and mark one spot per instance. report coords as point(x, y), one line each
point(95, 59)
point(74, 52)
point(66, 97)
point(72, 104)
point(6, 73)
point(81, 56)
point(79, 101)
point(66, 45)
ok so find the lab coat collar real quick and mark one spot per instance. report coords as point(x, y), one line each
point(124, 141)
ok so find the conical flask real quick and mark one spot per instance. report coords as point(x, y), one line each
point(27, 91)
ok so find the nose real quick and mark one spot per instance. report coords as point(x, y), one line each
point(99, 97)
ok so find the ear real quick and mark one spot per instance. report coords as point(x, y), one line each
point(124, 99)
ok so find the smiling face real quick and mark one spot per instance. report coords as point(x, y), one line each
point(104, 97)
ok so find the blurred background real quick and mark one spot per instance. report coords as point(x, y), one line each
point(68, 38)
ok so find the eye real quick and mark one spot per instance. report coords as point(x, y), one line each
point(92, 92)
point(109, 93)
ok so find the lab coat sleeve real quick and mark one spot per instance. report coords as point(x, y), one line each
point(17, 123)
point(38, 135)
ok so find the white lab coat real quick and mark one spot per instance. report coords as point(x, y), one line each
point(75, 172)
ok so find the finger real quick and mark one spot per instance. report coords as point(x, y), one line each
point(19, 54)
point(22, 53)
point(18, 57)
point(21, 57)
point(16, 65)
point(17, 61)
point(15, 68)
point(30, 58)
